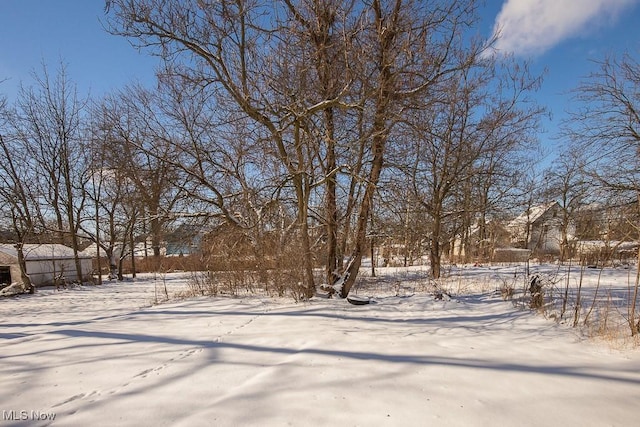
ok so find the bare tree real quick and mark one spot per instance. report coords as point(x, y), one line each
point(17, 199)
point(606, 126)
point(48, 127)
point(232, 46)
point(142, 147)
point(299, 73)
point(566, 181)
point(477, 121)
point(408, 48)
point(321, 32)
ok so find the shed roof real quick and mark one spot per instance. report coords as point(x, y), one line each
point(46, 251)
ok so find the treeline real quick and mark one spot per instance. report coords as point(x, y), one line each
point(295, 130)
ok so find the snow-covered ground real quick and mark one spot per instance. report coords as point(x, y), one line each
point(106, 355)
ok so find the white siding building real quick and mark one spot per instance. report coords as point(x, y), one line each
point(44, 263)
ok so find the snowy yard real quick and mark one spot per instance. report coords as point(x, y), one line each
point(104, 355)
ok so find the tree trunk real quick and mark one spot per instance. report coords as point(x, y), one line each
point(351, 273)
point(73, 225)
point(380, 131)
point(373, 259)
point(303, 226)
point(156, 233)
point(97, 219)
point(434, 250)
point(113, 265)
point(76, 252)
point(635, 327)
point(331, 204)
point(133, 254)
point(26, 281)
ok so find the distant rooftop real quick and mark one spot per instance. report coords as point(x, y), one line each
point(530, 216)
point(34, 251)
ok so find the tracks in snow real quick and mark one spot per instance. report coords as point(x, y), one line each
point(72, 404)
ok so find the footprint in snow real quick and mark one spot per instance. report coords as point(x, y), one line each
point(71, 399)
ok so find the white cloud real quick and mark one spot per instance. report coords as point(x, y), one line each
point(530, 27)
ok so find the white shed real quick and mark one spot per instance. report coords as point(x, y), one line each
point(44, 262)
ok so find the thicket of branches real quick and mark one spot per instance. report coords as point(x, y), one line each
point(296, 131)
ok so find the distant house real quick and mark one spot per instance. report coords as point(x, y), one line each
point(44, 263)
point(611, 222)
point(473, 245)
point(608, 233)
point(184, 240)
point(539, 229)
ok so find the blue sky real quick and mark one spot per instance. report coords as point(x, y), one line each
point(68, 31)
point(561, 36)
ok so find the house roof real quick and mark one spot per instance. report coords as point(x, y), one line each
point(139, 249)
point(531, 215)
point(34, 252)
